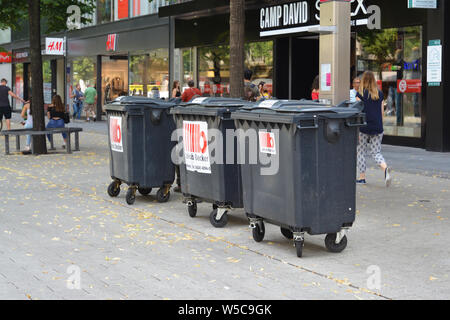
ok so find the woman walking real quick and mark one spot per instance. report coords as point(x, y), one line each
point(371, 136)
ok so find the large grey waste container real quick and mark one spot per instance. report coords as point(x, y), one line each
point(312, 190)
point(217, 182)
point(140, 144)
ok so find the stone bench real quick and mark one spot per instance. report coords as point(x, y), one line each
point(52, 131)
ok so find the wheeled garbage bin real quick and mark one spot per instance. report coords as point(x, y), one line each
point(304, 178)
point(140, 144)
point(205, 173)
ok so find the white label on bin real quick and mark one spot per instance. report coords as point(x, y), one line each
point(195, 142)
point(267, 104)
point(267, 142)
point(199, 100)
point(115, 133)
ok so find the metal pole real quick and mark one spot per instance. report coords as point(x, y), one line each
point(335, 34)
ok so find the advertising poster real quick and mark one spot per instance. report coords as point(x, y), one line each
point(195, 142)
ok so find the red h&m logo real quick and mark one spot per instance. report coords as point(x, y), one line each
point(111, 42)
point(5, 57)
point(54, 46)
point(195, 139)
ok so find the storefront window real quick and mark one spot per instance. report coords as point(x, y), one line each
point(214, 67)
point(47, 81)
point(214, 70)
point(84, 72)
point(5, 36)
point(18, 85)
point(149, 74)
point(105, 11)
point(114, 77)
point(259, 59)
point(395, 56)
point(143, 7)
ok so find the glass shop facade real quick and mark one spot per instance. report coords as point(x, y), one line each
point(404, 47)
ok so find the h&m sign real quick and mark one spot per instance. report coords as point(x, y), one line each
point(296, 16)
point(54, 46)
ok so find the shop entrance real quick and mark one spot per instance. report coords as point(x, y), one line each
point(114, 77)
point(297, 64)
point(305, 66)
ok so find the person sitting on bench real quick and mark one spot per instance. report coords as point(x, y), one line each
point(56, 114)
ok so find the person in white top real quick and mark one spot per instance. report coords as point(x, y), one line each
point(354, 91)
point(27, 114)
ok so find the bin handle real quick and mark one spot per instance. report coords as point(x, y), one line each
point(315, 126)
point(363, 122)
point(155, 116)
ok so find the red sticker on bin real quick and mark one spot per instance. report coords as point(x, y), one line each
point(267, 143)
point(195, 143)
point(115, 133)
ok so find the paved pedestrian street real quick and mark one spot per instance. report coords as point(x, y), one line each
point(63, 237)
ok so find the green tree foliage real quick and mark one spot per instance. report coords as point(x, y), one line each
point(379, 45)
point(54, 12)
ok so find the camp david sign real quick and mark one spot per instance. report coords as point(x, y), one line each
point(289, 14)
point(299, 16)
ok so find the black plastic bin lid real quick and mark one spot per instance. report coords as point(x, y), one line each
point(210, 106)
point(137, 102)
point(287, 111)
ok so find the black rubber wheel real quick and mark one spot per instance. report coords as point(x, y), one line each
point(330, 243)
point(218, 223)
point(144, 191)
point(192, 209)
point(161, 197)
point(114, 189)
point(259, 232)
point(287, 233)
point(299, 248)
point(131, 196)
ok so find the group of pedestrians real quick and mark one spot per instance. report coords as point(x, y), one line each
point(252, 92)
point(79, 98)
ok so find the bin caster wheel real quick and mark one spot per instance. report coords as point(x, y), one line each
point(131, 196)
point(161, 197)
point(192, 209)
point(332, 246)
point(287, 233)
point(218, 223)
point(259, 231)
point(114, 189)
point(145, 191)
point(299, 247)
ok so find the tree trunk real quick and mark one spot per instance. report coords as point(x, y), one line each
point(34, 14)
point(237, 42)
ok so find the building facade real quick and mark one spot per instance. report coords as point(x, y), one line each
point(124, 50)
point(401, 45)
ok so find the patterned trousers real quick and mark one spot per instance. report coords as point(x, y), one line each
point(369, 144)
